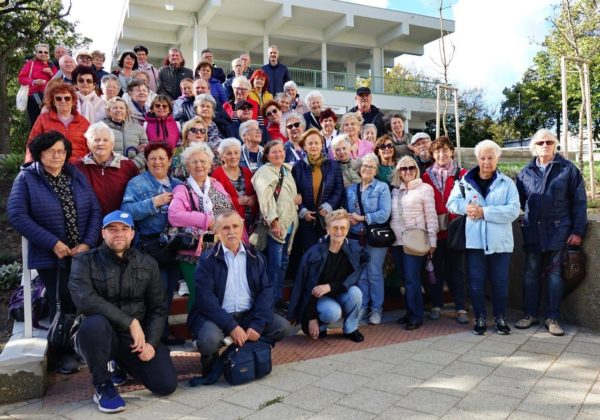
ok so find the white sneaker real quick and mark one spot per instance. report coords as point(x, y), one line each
point(375, 317)
point(183, 289)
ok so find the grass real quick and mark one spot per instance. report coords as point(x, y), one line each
point(275, 400)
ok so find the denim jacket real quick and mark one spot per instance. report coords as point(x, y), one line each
point(138, 202)
point(376, 200)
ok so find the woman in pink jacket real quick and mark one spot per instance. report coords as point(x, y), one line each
point(413, 207)
point(195, 204)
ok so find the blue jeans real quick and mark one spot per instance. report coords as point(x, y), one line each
point(449, 267)
point(411, 266)
point(531, 283)
point(331, 309)
point(277, 262)
point(371, 281)
point(494, 267)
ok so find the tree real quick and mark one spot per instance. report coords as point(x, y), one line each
point(25, 23)
point(400, 80)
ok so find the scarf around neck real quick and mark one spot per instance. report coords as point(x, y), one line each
point(316, 162)
point(202, 193)
point(439, 174)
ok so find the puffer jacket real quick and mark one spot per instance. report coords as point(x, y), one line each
point(169, 79)
point(128, 137)
point(120, 289)
point(555, 204)
point(376, 201)
point(413, 206)
point(183, 109)
point(165, 130)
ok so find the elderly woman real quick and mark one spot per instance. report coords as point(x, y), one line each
point(107, 172)
point(259, 92)
point(369, 202)
point(241, 89)
point(491, 203)
point(110, 87)
point(401, 140)
point(137, 101)
point(251, 151)
point(35, 74)
point(315, 101)
point(52, 205)
point(194, 131)
point(89, 104)
point(277, 199)
point(369, 133)
point(204, 70)
point(127, 63)
point(340, 146)
point(130, 139)
point(284, 100)
point(387, 158)
point(183, 107)
point(196, 204)
point(271, 112)
point(293, 127)
point(553, 197)
point(205, 108)
point(320, 183)
point(291, 88)
point(237, 181)
point(160, 124)
point(62, 116)
point(413, 207)
point(448, 263)
point(147, 198)
point(328, 120)
point(350, 125)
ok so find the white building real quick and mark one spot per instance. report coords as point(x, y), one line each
point(329, 45)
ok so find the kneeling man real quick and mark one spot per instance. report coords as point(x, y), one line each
point(235, 297)
point(118, 291)
point(325, 288)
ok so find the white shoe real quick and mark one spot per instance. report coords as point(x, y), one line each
point(183, 289)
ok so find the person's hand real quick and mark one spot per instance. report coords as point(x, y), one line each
point(252, 334)
point(250, 200)
point(239, 336)
point(162, 199)
point(323, 212)
point(48, 71)
point(313, 328)
point(141, 147)
point(39, 82)
point(61, 250)
point(298, 199)
point(353, 219)
point(147, 353)
point(243, 200)
point(574, 239)
point(474, 211)
point(276, 229)
point(310, 216)
point(80, 249)
point(321, 290)
point(431, 251)
point(139, 338)
point(211, 224)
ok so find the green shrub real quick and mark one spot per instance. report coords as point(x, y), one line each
point(10, 276)
point(10, 165)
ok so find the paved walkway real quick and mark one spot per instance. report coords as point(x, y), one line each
point(527, 375)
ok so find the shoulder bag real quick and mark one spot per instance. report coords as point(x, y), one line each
point(185, 238)
point(377, 235)
point(415, 241)
point(456, 229)
point(59, 334)
point(23, 93)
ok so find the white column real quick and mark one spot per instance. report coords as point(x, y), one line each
point(350, 75)
point(266, 49)
point(323, 65)
point(199, 42)
point(377, 70)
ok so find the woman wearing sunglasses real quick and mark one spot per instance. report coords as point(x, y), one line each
point(413, 207)
point(271, 111)
point(35, 74)
point(386, 153)
point(293, 127)
point(160, 124)
point(194, 131)
point(89, 104)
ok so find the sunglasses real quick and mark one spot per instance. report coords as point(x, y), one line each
point(43, 52)
point(273, 112)
point(293, 125)
point(63, 98)
point(386, 146)
point(86, 81)
point(407, 168)
point(159, 106)
point(245, 108)
point(197, 130)
point(546, 142)
point(84, 58)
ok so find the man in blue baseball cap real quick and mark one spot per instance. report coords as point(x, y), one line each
point(118, 291)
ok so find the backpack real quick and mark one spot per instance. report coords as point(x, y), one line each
point(39, 303)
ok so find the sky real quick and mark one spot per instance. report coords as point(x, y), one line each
point(494, 40)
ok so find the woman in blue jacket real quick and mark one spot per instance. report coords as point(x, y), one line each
point(53, 206)
point(491, 204)
point(552, 194)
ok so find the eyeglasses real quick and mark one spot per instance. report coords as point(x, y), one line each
point(86, 81)
point(61, 152)
point(407, 168)
point(272, 112)
point(369, 167)
point(245, 108)
point(84, 58)
point(238, 89)
point(197, 130)
point(159, 106)
point(293, 125)
point(43, 52)
point(386, 146)
point(63, 98)
point(546, 142)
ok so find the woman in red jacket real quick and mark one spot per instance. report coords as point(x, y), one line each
point(448, 264)
point(35, 74)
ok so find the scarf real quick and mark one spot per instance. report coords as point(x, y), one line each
point(87, 105)
point(439, 174)
point(316, 162)
point(207, 205)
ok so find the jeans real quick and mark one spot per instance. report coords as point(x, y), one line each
point(348, 304)
point(494, 267)
point(170, 278)
point(534, 262)
point(371, 281)
point(277, 262)
point(411, 266)
point(449, 267)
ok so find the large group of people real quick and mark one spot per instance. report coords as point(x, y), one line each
point(268, 187)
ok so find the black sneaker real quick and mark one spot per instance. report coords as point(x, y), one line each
point(480, 327)
point(355, 336)
point(502, 327)
point(403, 320)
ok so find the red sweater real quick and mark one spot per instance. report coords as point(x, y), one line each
point(36, 73)
point(220, 175)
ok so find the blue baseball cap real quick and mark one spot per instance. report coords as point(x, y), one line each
point(117, 216)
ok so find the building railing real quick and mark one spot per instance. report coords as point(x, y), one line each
point(387, 85)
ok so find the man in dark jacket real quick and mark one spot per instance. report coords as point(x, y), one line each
point(370, 113)
point(326, 285)
point(552, 194)
point(171, 75)
point(278, 73)
point(237, 296)
point(118, 291)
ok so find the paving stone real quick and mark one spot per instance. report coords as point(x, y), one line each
point(504, 348)
point(543, 347)
point(585, 416)
point(345, 357)
point(524, 415)
point(428, 402)
point(313, 398)
point(334, 412)
point(342, 382)
point(452, 345)
point(596, 388)
point(467, 337)
point(527, 360)
point(395, 413)
point(438, 357)
point(90, 411)
point(38, 410)
point(221, 410)
point(580, 360)
point(518, 373)
point(387, 355)
point(460, 368)
point(554, 406)
point(582, 347)
point(395, 383)
point(481, 414)
point(482, 357)
point(451, 385)
point(281, 411)
point(255, 396)
point(587, 336)
point(489, 404)
point(289, 380)
point(506, 386)
point(417, 369)
point(366, 367)
point(201, 396)
point(568, 389)
point(369, 400)
point(543, 334)
point(412, 346)
point(161, 409)
point(515, 337)
point(318, 367)
point(591, 405)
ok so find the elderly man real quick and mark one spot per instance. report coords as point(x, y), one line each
point(326, 284)
point(241, 88)
point(118, 292)
point(221, 117)
point(243, 113)
point(183, 107)
point(217, 72)
point(146, 67)
point(237, 296)
point(171, 75)
point(66, 64)
point(278, 73)
point(370, 113)
point(246, 61)
point(420, 144)
point(238, 70)
point(83, 58)
point(59, 51)
point(552, 194)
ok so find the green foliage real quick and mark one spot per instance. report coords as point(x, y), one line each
point(10, 276)
point(10, 165)
point(400, 80)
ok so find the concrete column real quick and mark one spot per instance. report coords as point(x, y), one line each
point(377, 70)
point(266, 49)
point(323, 65)
point(351, 75)
point(199, 42)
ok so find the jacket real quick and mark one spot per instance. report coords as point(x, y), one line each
point(291, 154)
point(493, 233)
point(137, 114)
point(152, 73)
point(74, 132)
point(91, 106)
point(229, 109)
point(233, 130)
point(376, 201)
point(220, 175)
point(217, 91)
point(310, 270)
point(166, 130)
point(169, 78)
point(183, 109)
point(278, 76)
point(128, 137)
point(211, 278)
point(349, 173)
point(413, 206)
point(36, 67)
point(261, 99)
point(374, 116)
point(120, 289)
point(555, 204)
point(35, 212)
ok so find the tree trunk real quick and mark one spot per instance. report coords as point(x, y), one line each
point(4, 113)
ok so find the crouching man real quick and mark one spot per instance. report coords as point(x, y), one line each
point(119, 292)
point(236, 298)
point(325, 288)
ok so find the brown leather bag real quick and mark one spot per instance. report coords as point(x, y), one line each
point(573, 267)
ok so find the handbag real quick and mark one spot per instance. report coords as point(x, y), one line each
point(259, 236)
point(457, 239)
point(23, 93)
point(573, 269)
point(157, 246)
point(59, 334)
point(185, 238)
point(39, 303)
point(377, 235)
point(415, 241)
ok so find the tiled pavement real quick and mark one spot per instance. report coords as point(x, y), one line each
point(457, 375)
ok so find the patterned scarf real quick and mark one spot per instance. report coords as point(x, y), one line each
point(202, 193)
point(439, 174)
point(316, 162)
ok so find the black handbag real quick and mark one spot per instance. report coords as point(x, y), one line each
point(457, 239)
point(59, 334)
point(378, 235)
point(185, 238)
